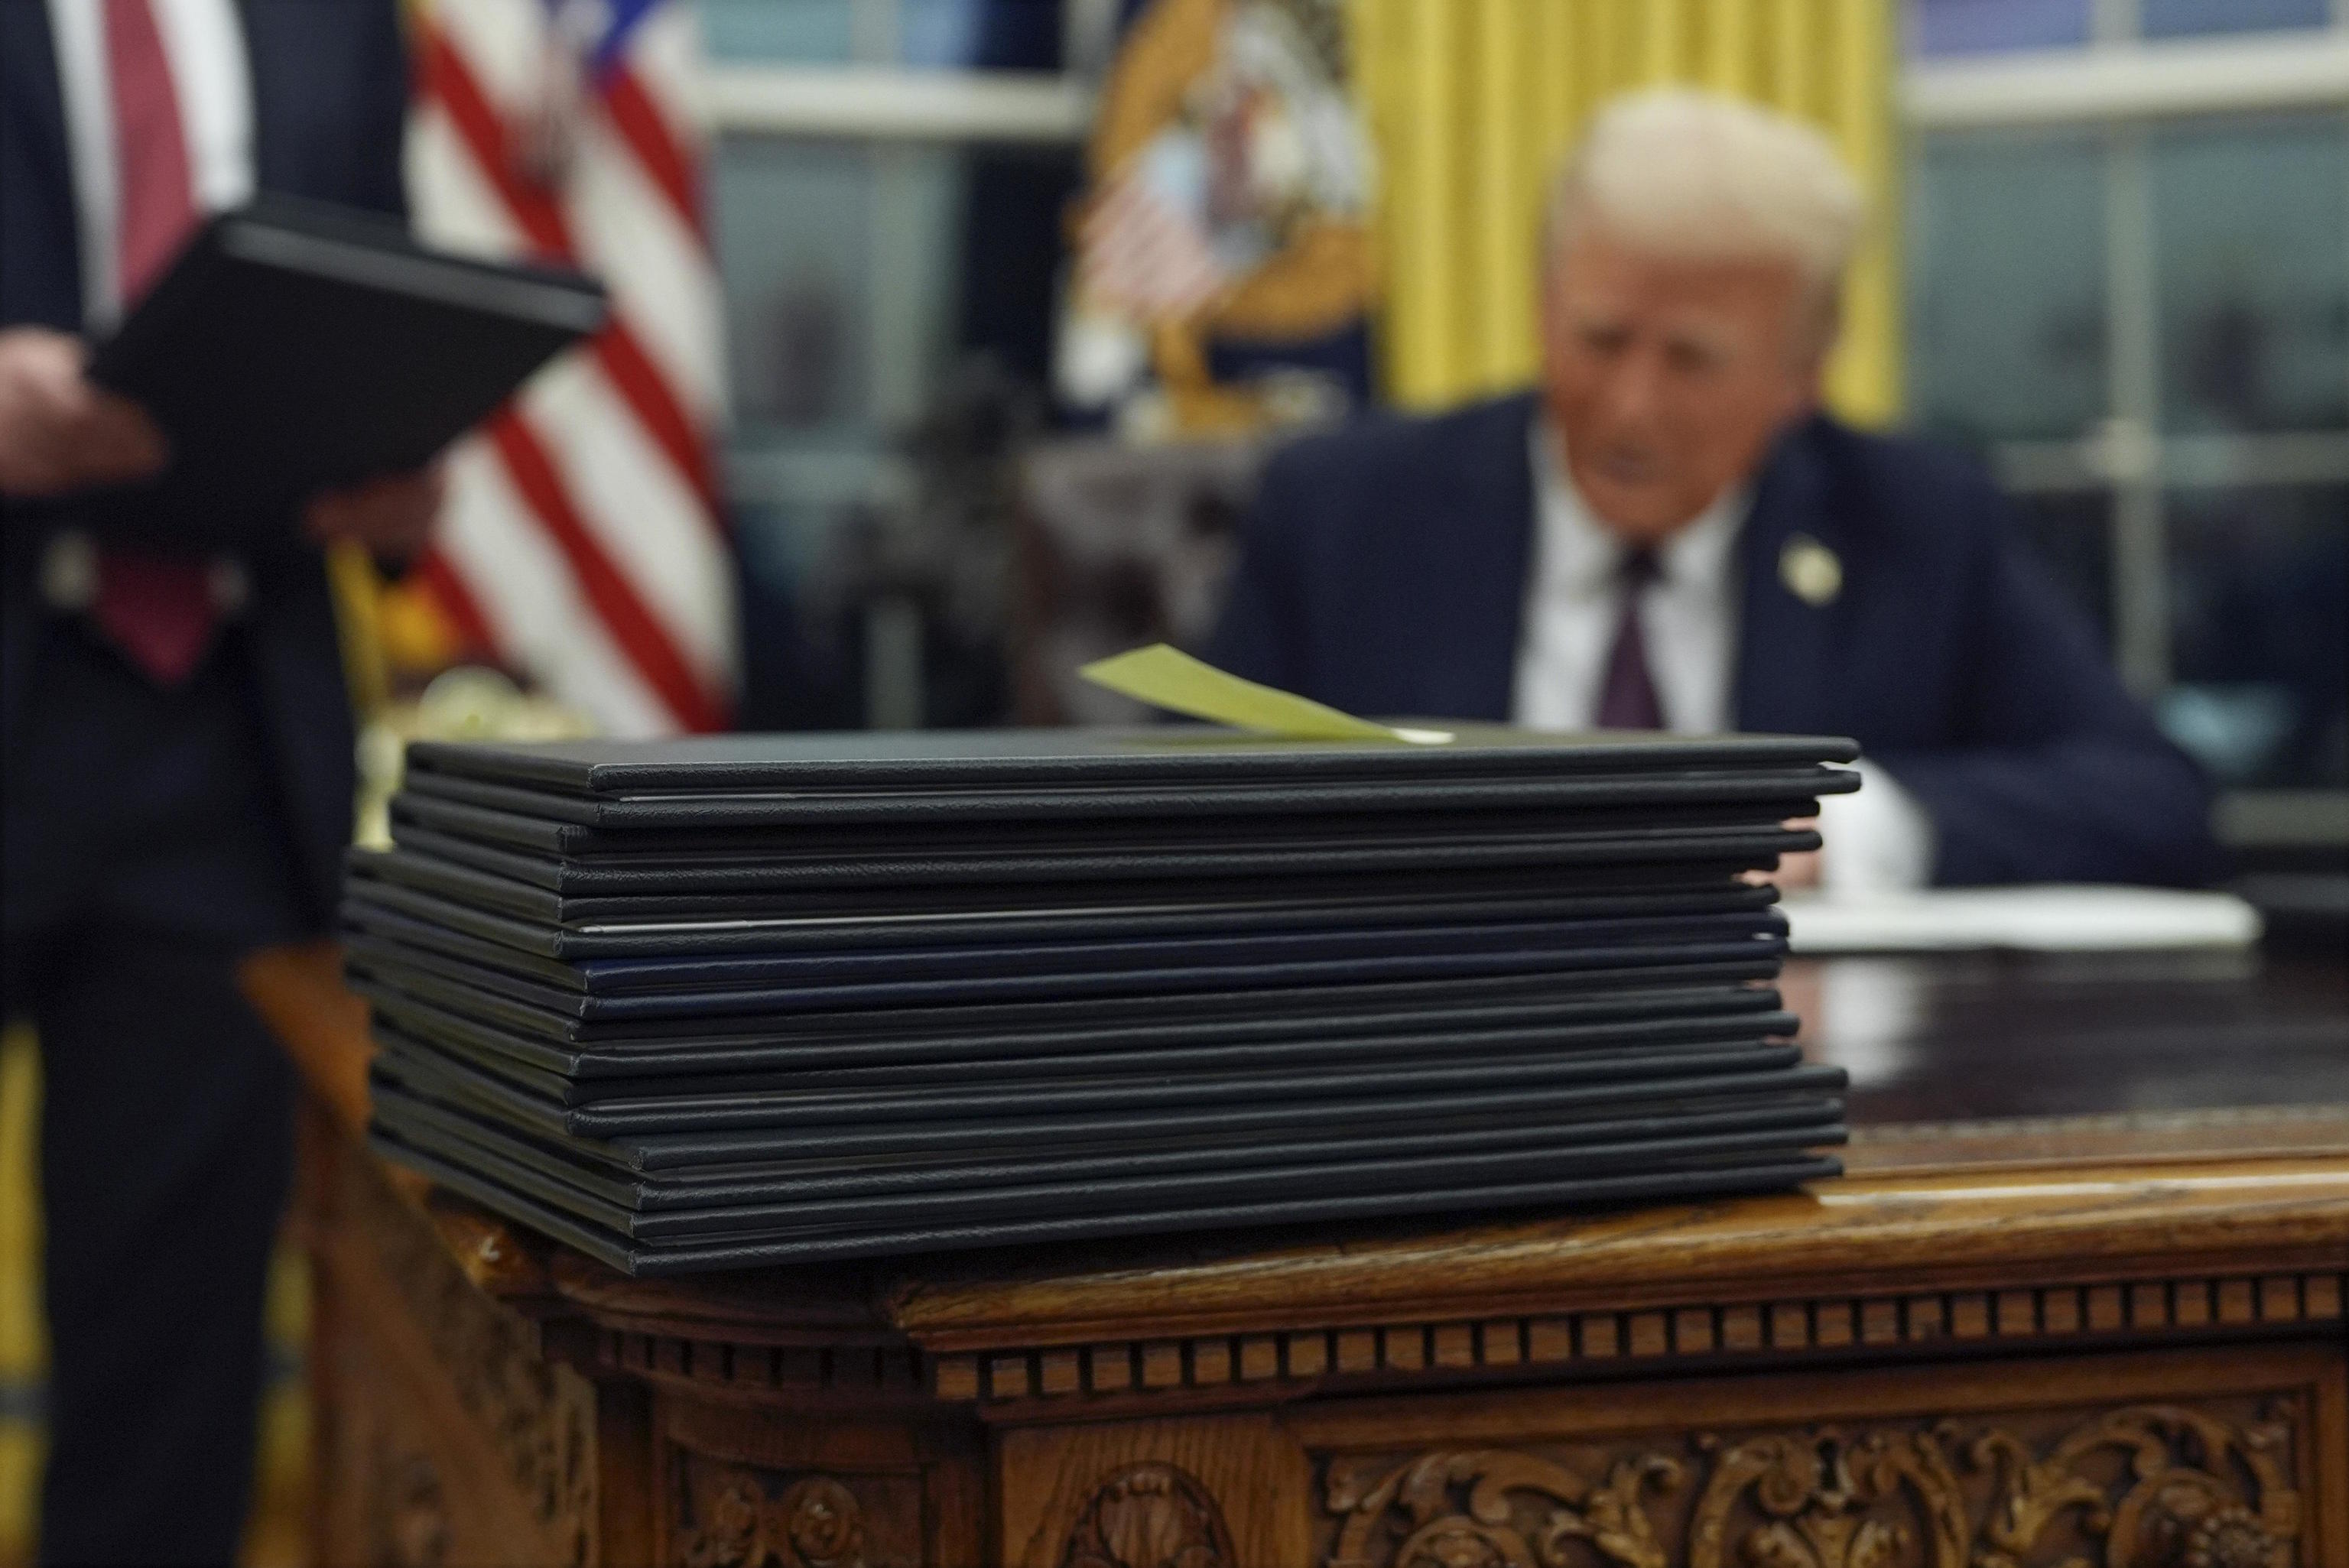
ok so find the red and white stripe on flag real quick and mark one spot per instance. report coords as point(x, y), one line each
point(583, 544)
point(1139, 254)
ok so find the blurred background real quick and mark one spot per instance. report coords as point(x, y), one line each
point(2111, 259)
point(2117, 269)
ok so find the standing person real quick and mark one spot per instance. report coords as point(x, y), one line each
point(177, 739)
point(1670, 534)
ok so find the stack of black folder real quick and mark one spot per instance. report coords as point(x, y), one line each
point(761, 1000)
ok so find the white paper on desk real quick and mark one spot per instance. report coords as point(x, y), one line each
point(2051, 919)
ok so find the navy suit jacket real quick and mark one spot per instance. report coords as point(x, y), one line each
point(1385, 568)
point(330, 87)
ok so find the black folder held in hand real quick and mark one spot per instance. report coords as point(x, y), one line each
point(294, 347)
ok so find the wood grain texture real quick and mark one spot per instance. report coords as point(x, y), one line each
point(299, 993)
point(2211, 1457)
point(625, 1475)
point(731, 1516)
point(1227, 1491)
point(500, 1258)
point(751, 1484)
point(1902, 1235)
point(2202, 1459)
point(449, 1435)
point(781, 1304)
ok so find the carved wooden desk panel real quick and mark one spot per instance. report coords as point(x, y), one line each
point(2136, 1460)
point(2084, 1338)
point(444, 1431)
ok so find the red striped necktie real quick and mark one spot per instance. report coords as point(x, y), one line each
point(157, 608)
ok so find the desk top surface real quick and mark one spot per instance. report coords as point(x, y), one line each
point(1960, 1061)
point(2008, 1113)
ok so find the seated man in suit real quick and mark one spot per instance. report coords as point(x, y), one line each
point(1672, 535)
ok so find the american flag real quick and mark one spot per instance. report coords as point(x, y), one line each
point(1141, 254)
point(583, 542)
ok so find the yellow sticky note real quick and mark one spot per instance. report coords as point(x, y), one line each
point(1169, 678)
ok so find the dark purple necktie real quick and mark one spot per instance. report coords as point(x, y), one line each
point(1627, 699)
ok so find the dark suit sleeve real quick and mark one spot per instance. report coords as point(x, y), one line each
point(1260, 636)
point(2064, 777)
point(379, 180)
point(330, 100)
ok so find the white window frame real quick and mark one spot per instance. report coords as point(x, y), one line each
point(875, 100)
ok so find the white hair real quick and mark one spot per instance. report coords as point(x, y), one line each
point(1678, 172)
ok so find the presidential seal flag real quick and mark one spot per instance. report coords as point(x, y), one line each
point(584, 544)
point(1223, 268)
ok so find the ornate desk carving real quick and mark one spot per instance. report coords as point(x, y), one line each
point(2056, 1340)
point(2201, 1483)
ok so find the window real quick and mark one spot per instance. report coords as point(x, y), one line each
point(887, 190)
point(2128, 255)
point(2186, 18)
point(2007, 247)
point(1975, 26)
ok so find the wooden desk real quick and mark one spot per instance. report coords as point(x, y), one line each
point(2099, 1320)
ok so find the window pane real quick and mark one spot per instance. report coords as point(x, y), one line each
point(1019, 34)
point(938, 32)
point(2260, 598)
point(840, 264)
point(2251, 248)
point(1976, 26)
point(2168, 18)
point(2007, 285)
point(2072, 536)
point(814, 31)
point(793, 224)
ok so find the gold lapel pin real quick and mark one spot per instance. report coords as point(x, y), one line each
point(1810, 570)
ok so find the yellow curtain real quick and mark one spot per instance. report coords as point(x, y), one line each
point(1472, 103)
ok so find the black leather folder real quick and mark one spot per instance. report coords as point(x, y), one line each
point(529, 1007)
point(729, 1153)
point(427, 872)
point(485, 841)
point(918, 1115)
point(1141, 840)
point(494, 1053)
point(1802, 1117)
point(1061, 758)
point(493, 893)
point(406, 883)
point(1705, 1178)
point(950, 1045)
point(540, 1014)
point(912, 808)
point(1120, 965)
point(502, 971)
point(293, 346)
point(1027, 1195)
point(629, 881)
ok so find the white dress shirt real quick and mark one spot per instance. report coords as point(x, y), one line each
point(204, 42)
point(1688, 610)
point(1880, 838)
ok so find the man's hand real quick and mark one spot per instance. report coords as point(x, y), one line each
point(392, 518)
point(59, 432)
